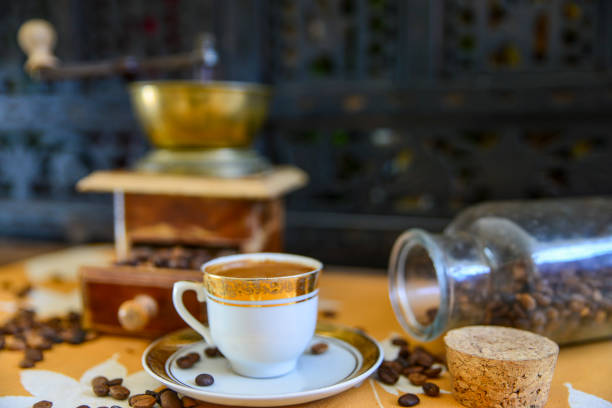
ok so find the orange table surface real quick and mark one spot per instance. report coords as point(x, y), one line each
point(359, 300)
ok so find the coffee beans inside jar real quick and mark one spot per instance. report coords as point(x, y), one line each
point(177, 257)
point(541, 265)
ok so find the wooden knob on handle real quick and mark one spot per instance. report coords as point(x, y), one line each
point(135, 314)
point(37, 39)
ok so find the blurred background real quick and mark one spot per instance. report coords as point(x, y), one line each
point(401, 112)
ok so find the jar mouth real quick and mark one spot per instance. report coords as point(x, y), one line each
point(418, 290)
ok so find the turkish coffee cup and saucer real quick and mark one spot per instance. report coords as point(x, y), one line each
point(262, 314)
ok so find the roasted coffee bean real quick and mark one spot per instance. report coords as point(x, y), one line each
point(423, 358)
point(33, 354)
point(114, 381)
point(402, 362)
point(329, 314)
point(319, 348)
point(74, 335)
point(195, 357)
point(1, 341)
point(431, 389)
point(14, 343)
point(188, 361)
point(188, 402)
point(404, 353)
point(115, 406)
point(433, 372)
point(142, 401)
point(412, 369)
point(212, 352)
point(101, 389)
point(204, 380)
point(35, 340)
point(99, 380)
point(169, 399)
point(43, 404)
point(153, 394)
point(417, 378)
point(408, 400)
point(399, 341)
point(83, 406)
point(119, 392)
point(26, 363)
point(387, 374)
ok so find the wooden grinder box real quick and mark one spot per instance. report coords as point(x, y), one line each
point(161, 211)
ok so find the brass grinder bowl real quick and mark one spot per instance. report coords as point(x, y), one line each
point(200, 115)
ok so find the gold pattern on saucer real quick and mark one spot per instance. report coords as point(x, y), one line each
point(261, 289)
point(159, 352)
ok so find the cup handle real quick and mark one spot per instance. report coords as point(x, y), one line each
point(178, 289)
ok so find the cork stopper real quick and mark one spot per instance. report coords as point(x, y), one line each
point(499, 366)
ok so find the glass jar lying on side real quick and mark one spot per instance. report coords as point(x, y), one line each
point(543, 266)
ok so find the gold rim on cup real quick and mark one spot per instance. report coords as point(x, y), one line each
point(263, 292)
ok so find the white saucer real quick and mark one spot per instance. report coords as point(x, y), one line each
point(351, 357)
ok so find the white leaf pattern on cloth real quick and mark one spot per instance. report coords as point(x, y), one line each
point(66, 392)
point(581, 399)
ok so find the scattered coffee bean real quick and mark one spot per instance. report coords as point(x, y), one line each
point(212, 352)
point(43, 404)
point(142, 401)
point(114, 381)
point(188, 402)
point(387, 375)
point(204, 380)
point(412, 369)
point(319, 348)
point(1, 341)
point(26, 363)
point(188, 361)
point(115, 406)
point(169, 399)
point(154, 394)
point(399, 341)
point(431, 389)
point(408, 400)
point(33, 354)
point(329, 314)
point(119, 392)
point(99, 380)
point(433, 372)
point(101, 389)
point(83, 406)
point(417, 378)
point(15, 343)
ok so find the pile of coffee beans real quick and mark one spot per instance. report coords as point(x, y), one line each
point(416, 365)
point(565, 302)
point(177, 257)
point(104, 387)
point(166, 398)
point(25, 333)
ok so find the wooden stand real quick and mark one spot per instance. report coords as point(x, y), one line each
point(162, 210)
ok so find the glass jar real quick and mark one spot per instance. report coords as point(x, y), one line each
point(543, 266)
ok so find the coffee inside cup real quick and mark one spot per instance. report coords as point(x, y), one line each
point(253, 269)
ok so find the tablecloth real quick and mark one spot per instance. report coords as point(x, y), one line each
point(582, 379)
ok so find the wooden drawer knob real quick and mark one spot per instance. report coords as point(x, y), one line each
point(135, 314)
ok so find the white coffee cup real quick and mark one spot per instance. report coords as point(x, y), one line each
point(261, 325)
